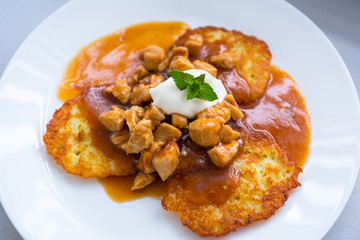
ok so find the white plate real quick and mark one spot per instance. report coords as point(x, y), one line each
point(44, 202)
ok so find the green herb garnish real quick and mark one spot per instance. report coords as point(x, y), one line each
point(195, 87)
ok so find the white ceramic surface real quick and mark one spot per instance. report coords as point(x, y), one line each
point(44, 202)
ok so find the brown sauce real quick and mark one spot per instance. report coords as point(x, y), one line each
point(209, 185)
point(280, 114)
point(94, 103)
point(118, 188)
point(114, 56)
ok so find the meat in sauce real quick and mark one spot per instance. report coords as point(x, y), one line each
point(280, 114)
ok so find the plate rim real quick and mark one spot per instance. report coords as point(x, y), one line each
point(27, 235)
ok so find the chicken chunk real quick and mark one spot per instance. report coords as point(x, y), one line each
point(180, 63)
point(166, 132)
point(152, 81)
point(155, 115)
point(133, 116)
point(120, 90)
point(176, 51)
point(113, 120)
point(204, 131)
point(179, 51)
point(217, 111)
point(227, 134)
point(141, 138)
point(145, 162)
point(140, 94)
point(178, 121)
point(153, 55)
point(206, 67)
point(194, 44)
point(139, 73)
point(167, 160)
point(224, 60)
point(120, 138)
point(253, 59)
point(142, 180)
point(223, 154)
point(155, 80)
point(236, 113)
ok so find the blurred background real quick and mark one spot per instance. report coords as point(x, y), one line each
point(338, 19)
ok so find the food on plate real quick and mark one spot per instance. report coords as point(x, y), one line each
point(168, 97)
point(243, 61)
point(258, 184)
point(69, 141)
point(198, 116)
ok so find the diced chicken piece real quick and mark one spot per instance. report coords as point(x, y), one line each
point(145, 162)
point(155, 115)
point(155, 80)
point(166, 132)
point(113, 120)
point(141, 138)
point(178, 121)
point(145, 81)
point(179, 51)
point(140, 94)
point(153, 55)
point(223, 154)
point(227, 134)
point(194, 44)
point(142, 180)
point(230, 98)
point(133, 116)
point(236, 113)
point(180, 63)
point(120, 138)
point(204, 131)
point(176, 51)
point(139, 73)
point(167, 160)
point(217, 111)
point(206, 67)
point(223, 60)
point(163, 65)
point(120, 89)
point(152, 81)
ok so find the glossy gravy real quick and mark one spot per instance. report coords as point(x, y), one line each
point(280, 114)
point(116, 55)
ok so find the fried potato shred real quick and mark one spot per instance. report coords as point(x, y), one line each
point(245, 59)
point(69, 142)
point(266, 175)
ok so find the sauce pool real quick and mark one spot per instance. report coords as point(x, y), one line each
point(116, 55)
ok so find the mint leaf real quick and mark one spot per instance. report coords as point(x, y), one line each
point(182, 80)
point(192, 90)
point(206, 92)
point(195, 87)
point(200, 79)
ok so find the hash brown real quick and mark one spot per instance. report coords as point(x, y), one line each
point(252, 65)
point(265, 176)
point(69, 142)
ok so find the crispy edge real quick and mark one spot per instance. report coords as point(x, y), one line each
point(197, 218)
point(58, 148)
point(259, 78)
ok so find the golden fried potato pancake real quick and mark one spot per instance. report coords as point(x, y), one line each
point(68, 141)
point(249, 78)
point(263, 177)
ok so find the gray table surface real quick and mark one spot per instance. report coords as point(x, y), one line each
point(339, 20)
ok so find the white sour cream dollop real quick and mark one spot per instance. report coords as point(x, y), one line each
point(168, 97)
